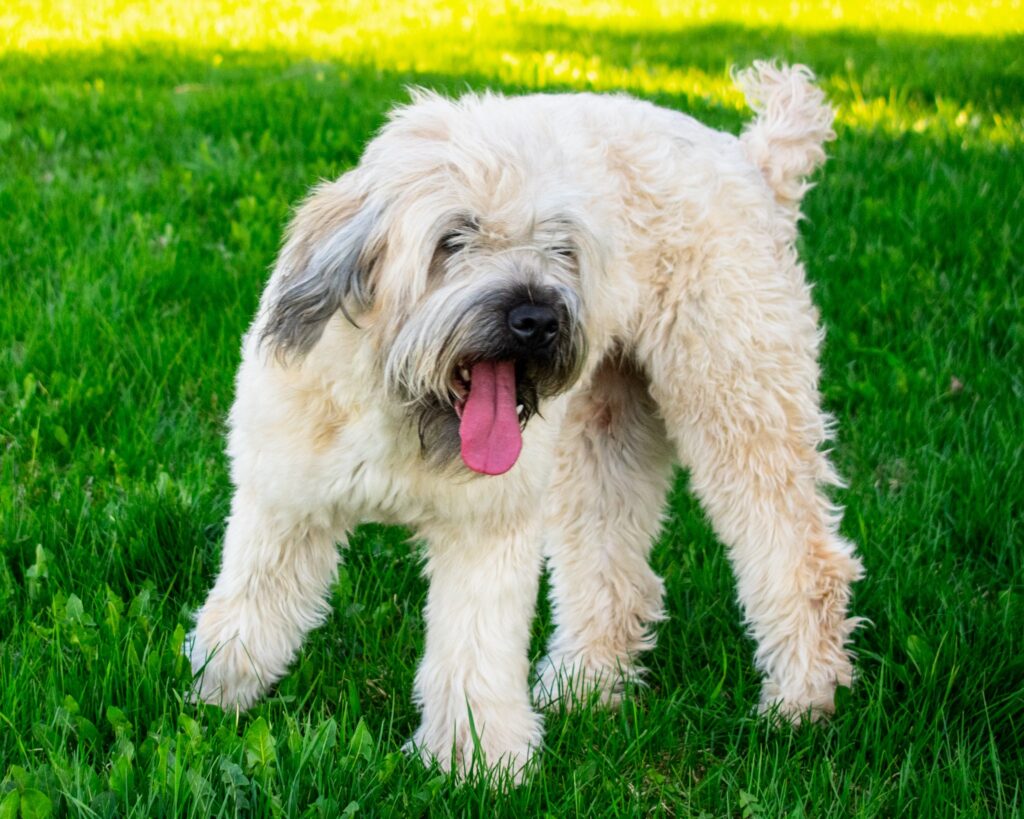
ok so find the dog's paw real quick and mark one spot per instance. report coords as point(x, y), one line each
point(796, 707)
point(568, 683)
point(224, 676)
point(809, 697)
point(500, 746)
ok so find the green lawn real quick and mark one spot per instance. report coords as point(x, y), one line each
point(149, 154)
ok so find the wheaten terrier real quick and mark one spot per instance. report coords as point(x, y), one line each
point(502, 329)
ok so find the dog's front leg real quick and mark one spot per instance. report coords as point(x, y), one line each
point(472, 684)
point(275, 573)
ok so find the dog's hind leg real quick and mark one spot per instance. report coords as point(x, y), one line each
point(733, 367)
point(272, 588)
point(604, 510)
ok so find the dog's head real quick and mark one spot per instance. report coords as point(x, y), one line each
point(463, 256)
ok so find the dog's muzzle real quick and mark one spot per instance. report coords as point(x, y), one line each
point(489, 410)
point(497, 389)
point(506, 349)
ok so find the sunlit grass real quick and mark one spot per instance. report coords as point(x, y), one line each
point(511, 43)
point(343, 29)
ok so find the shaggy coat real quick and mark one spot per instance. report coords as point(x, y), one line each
point(624, 276)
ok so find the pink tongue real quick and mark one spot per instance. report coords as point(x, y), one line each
point(491, 440)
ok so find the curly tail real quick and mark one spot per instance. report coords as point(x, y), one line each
point(793, 122)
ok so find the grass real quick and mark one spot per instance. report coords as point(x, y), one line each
point(149, 155)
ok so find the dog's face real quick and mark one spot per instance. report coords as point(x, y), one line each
point(496, 331)
point(463, 274)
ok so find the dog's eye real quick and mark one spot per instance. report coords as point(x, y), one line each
point(566, 252)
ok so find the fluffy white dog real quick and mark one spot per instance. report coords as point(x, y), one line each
point(502, 329)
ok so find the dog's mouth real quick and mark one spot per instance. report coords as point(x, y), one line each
point(489, 415)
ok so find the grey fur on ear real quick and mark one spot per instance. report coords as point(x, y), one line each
point(319, 280)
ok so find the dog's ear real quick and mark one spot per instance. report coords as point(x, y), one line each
point(327, 264)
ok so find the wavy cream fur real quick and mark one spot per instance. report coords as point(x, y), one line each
point(698, 343)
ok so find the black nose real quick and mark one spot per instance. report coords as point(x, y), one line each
point(533, 325)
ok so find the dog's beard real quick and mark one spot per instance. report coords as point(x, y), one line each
point(462, 374)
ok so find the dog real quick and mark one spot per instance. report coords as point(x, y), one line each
point(503, 329)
